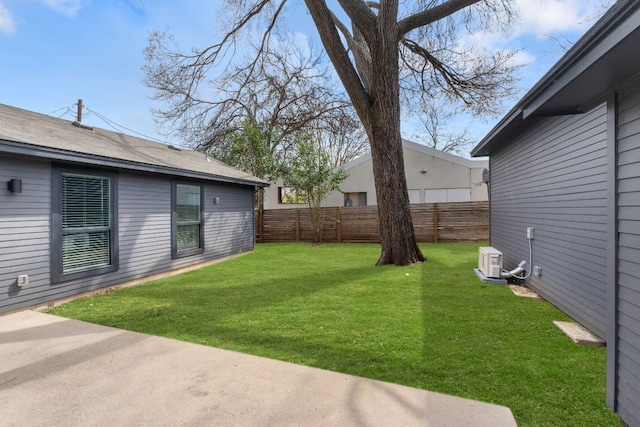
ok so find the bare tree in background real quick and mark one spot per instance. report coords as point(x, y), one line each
point(374, 47)
point(288, 93)
point(442, 132)
point(342, 137)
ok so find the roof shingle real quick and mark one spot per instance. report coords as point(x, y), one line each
point(60, 138)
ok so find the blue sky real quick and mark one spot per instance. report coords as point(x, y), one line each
point(56, 51)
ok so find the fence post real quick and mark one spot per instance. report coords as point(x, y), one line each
point(339, 225)
point(297, 224)
point(261, 213)
point(258, 224)
point(435, 223)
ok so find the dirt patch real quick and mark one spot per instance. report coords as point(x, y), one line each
point(523, 291)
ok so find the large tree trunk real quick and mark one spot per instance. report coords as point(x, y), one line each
point(378, 107)
point(397, 235)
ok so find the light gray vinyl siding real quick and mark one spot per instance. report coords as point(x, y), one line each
point(24, 231)
point(144, 227)
point(229, 224)
point(552, 177)
point(628, 180)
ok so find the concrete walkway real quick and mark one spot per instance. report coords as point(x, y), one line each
point(60, 372)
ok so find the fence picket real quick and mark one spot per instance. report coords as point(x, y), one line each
point(433, 222)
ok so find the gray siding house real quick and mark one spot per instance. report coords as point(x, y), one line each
point(566, 161)
point(84, 208)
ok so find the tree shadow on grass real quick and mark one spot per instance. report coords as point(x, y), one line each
point(196, 300)
point(364, 361)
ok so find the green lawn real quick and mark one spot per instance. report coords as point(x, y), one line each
point(433, 326)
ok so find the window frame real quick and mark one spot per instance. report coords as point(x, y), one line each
point(360, 197)
point(57, 233)
point(296, 196)
point(175, 254)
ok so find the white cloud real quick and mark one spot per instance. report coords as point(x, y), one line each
point(65, 7)
point(522, 58)
point(483, 39)
point(545, 17)
point(6, 21)
point(301, 40)
point(544, 20)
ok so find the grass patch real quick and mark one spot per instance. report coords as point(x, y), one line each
point(433, 326)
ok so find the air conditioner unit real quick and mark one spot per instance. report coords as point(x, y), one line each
point(490, 262)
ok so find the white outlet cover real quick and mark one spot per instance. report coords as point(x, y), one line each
point(23, 281)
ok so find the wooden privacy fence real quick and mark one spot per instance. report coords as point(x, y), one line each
point(433, 222)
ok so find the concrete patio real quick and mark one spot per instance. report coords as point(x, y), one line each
point(61, 372)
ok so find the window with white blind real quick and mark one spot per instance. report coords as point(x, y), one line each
point(187, 236)
point(84, 224)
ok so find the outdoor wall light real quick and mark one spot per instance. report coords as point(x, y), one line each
point(423, 171)
point(216, 200)
point(15, 185)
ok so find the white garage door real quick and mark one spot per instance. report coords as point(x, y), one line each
point(445, 195)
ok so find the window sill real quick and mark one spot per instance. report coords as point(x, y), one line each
point(65, 277)
point(184, 254)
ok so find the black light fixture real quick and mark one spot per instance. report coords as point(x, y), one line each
point(15, 185)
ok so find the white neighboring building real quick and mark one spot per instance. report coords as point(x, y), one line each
point(432, 177)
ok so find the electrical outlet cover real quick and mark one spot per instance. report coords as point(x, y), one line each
point(23, 281)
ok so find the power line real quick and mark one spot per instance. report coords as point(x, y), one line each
point(66, 109)
point(114, 125)
point(118, 127)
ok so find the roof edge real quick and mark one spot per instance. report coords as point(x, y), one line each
point(617, 14)
point(448, 157)
point(430, 151)
point(30, 150)
point(515, 116)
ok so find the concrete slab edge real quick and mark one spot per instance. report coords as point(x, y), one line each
point(70, 372)
point(486, 279)
point(579, 334)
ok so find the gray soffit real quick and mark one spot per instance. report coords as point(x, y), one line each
point(605, 57)
point(31, 134)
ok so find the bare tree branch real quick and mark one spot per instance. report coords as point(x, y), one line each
point(176, 76)
point(360, 51)
point(362, 18)
point(441, 131)
point(323, 19)
point(431, 15)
